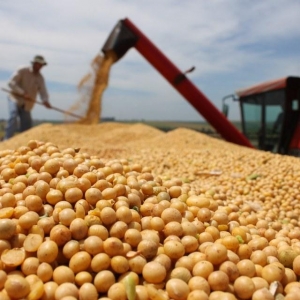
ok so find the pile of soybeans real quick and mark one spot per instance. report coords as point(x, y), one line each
point(118, 211)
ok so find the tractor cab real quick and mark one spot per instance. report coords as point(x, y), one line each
point(270, 115)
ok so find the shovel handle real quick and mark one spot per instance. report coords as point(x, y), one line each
point(41, 103)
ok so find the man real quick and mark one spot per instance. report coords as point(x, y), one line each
point(26, 83)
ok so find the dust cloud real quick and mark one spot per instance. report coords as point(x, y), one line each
point(91, 88)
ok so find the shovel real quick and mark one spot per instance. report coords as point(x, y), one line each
point(41, 103)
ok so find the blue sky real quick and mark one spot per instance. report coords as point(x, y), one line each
point(232, 44)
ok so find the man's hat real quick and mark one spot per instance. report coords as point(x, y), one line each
point(39, 59)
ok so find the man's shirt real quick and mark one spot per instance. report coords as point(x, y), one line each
point(25, 81)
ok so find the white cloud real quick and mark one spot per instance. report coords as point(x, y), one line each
point(238, 40)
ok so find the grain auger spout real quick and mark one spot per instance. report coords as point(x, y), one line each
point(120, 40)
point(126, 35)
